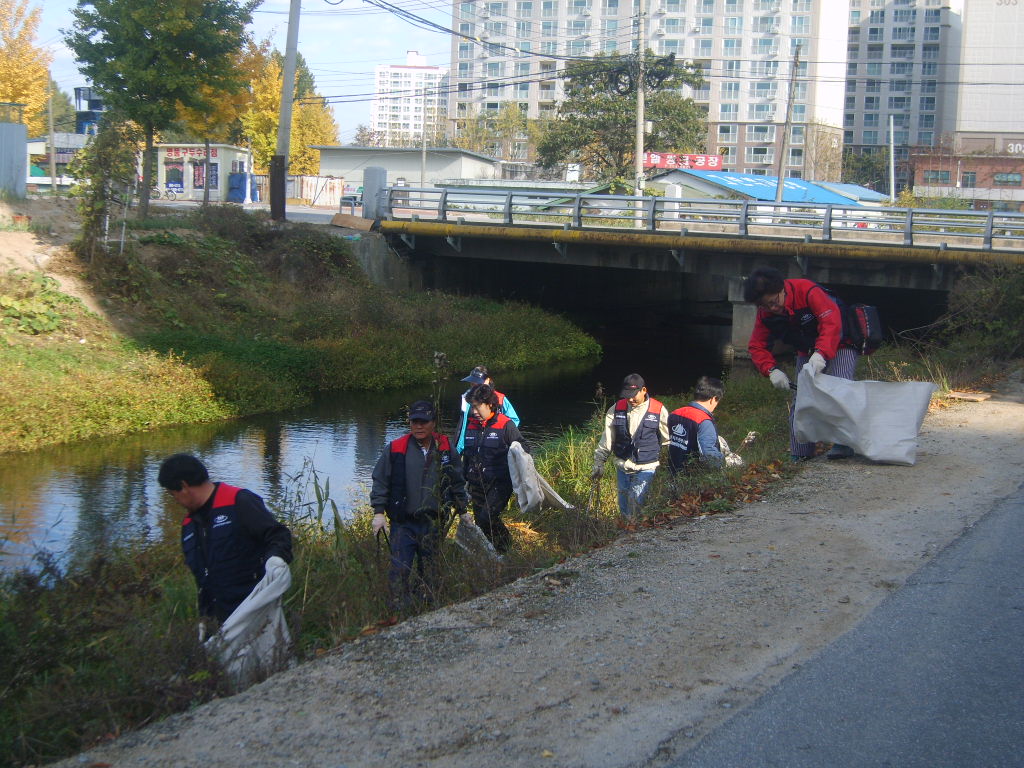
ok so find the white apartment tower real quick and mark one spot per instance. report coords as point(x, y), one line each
point(903, 61)
point(990, 99)
point(745, 47)
point(409, 99)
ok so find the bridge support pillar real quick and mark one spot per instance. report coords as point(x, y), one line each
point(743, 316)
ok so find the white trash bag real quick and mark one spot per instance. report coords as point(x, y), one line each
point(880, 420)
point(532, 490)
point(254, 639)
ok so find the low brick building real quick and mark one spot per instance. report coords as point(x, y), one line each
point(987, 181)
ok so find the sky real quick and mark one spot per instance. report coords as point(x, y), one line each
point(341, 43)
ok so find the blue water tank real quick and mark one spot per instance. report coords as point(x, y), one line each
point(236, 187)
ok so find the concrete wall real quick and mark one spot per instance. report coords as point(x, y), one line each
point(348, 162)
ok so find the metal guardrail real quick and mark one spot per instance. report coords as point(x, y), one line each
point(982, 230)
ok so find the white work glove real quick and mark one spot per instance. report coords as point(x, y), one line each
point(379, 521)
point(816, 362)
point(779, 379)
point(274, 562)
point(597, 471)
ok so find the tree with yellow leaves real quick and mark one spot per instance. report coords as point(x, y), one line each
point(312, 120)
point(24, 74)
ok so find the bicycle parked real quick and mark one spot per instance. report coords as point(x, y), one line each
point(168, 194)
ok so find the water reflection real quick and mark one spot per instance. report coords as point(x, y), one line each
point(77, 499)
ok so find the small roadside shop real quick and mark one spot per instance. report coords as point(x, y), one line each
point(181, 170)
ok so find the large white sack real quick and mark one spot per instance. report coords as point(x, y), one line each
point(880, 420)
point(531, 489)
point(254, 639)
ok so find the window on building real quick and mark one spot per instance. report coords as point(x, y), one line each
point(524, 8)
point(854, 18)
point(728, 111)
point(929, 68)
point(756, 171)
point(930, 34)
point(872, 103)
point(761, 112)
point(873, 68)
point(727, 134)
point(763, 89)
point(796, 157)
point(730, 91)
point(732, 68)
point(702, 49)
point(927, 104)
point(872, 86)
point(732, 46)
point(549, 28)
point(1006, 179)
point(549, 48)
point(870, 119)
point(705, 25)
point(733, 6)
point(932, 16)
point(759, 155)
point(968, 179)
point(466, 11)
point(734, 25)
point(800, 25)
point(764, 68)
point(870, 137)
point(465, 50)
point(877, 17)
point(849, 119)
point(765, 46)
point(797, 134)
point(799, 113)
point(876, 51)
point(549, 8)
point(578, 7)
point(761, 134)
point(899, 102)
point(611, 5)
point(899, 86)
point(495, 68)
point(935, 177)
point(926, 121)
point(876, 34)
point(610, 27)
point(847, 137)
point(903, 33)
point(705, 6)
point(801, 6)
point(925, 138)
point(523, 28)
point(851, 102)
point(671, 46)
point(465, 28)
point(672, 26)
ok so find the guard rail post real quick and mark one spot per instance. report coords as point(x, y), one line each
point(508, 208)
point(908, 228)
point(826, 224)
point(577, 211)
point(989, 224)
point(652, 213)
point(743, 218)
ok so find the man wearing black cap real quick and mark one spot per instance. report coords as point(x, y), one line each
point(416, 480)
point(635, 428)
point(480, 375)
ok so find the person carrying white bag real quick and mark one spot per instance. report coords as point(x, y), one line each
point(802, 314)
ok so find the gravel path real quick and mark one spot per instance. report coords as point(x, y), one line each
point(626, 656)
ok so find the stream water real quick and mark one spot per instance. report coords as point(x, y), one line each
point(77, 499)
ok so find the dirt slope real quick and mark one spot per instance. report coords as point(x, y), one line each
point(626, 656)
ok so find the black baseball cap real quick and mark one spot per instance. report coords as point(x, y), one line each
point(422, 410)
point(631, 385)
point(478, 375)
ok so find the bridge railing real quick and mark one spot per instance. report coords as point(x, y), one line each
point(831, 223)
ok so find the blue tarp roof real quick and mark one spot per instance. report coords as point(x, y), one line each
point(763, 187)
point(855, 191)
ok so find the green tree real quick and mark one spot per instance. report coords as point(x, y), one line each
point(148, 60)
point(595, 125)
point(63, 112)
point(869, 169)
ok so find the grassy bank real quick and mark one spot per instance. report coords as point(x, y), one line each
point(219, 314)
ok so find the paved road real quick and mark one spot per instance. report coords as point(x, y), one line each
point(933, 677)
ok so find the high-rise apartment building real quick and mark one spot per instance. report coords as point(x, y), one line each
point(990, 98)
point(903, 62)
point(410, 98)
point(746, 49)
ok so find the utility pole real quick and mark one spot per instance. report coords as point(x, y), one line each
point(892, 161)
point(279, 162)
point(423, 140)
point(640, 105)
point(785, 131)
point(53, 142)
